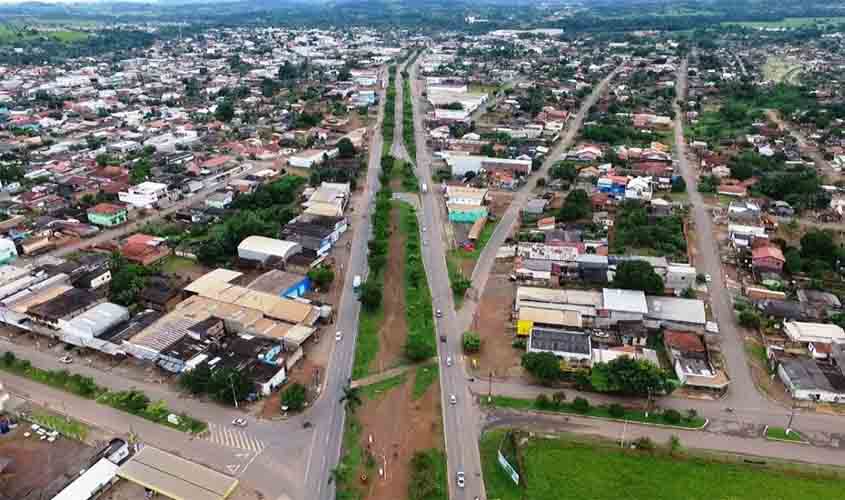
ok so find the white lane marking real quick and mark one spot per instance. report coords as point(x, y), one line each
point(233, 438)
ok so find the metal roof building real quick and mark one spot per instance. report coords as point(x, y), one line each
point(175, 477)
point(97, 320)
point(262, 249)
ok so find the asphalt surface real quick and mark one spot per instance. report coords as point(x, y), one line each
point(462, 421)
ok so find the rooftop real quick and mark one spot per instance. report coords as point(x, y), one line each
point(560, 341)
point(631, 301)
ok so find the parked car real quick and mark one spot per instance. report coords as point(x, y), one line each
point(461, 479)
point(66, 360)
point(338, 336)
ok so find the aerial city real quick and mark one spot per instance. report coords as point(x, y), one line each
point(422, 250)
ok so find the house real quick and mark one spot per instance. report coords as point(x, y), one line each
point(569, 345)
point(466, 204)
point(220, 199)
point(825, 333)
point(623, 305)
point(767, 258)
point(690, 361)
point(781, 309)
point(144, 249)
point(639, 188)
point(675, 313)
point(808, 380)
point(743, 236)
point(680, 277)
point(330, 199)
point(107, 214)
point(160, 294)
point(144, 195)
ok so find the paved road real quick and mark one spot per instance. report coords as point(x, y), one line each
point(327, 415)
point(506, 224)
point(462, 420)
point(742, 391)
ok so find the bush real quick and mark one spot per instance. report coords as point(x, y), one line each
point(542, 402)
point(559, 397)
point(543, 365)
point(471, 342)
point(580, 405)
point(293, 397)
point(370, 295)
point(644, 444)
point(749, 319)
point(672, 417)
point(519, 343)
point(616, 410)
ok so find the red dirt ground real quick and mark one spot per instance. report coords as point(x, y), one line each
point(393, 328)
point(400, 426)
point(493, 324)
point(39, 469)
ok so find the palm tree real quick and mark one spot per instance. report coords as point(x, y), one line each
point(352, 397)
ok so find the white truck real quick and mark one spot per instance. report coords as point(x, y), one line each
point(356, 282)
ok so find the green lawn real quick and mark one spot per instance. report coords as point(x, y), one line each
point(350, 461)
point(176, 265)
point(424, 377)
point(419, 315)
point(594, 411)
point(366, 345)
point(780, 433)
point(9, 35)
point(564, 469)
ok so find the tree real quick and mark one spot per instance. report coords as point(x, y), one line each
point(370, 295)
point(471, 342)
point(741, 171)
point(543, 365)
point(542, 402)
point(321, 276)
point(577, 206)
point(198, 380)
point(672, 417)
point(352, 397)
point(818, 244)
point(228, 385)
point(793, 260)
point(140, 171)
point(566, 171)
point(293, 397)
point(616, 410)
point(632, 377)
point(749, 319)
point(127, 280)
point(580, 405)
point(345, 148)
point(638, 275)
point(225, 111)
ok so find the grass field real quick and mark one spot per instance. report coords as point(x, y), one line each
point(780, 433)
point(423, 378)
point(378, 389)
point(566, 468)
point(10, 35)
point(366, 344)
point(778, 69)
point(788, 22)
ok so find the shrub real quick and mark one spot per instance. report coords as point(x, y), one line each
point(471, 342)
point(580, 405)
point(542, 402)
point(293, 397)
point(616, 410)
point(672, 417)
point(692, 414)
point(519, 344)
point(644, 444)
point(559, 397)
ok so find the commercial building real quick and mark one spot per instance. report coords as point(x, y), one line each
point(466, 204)
point(808, 380)
point(267, 250)
point(144, 195)
point(571, 346)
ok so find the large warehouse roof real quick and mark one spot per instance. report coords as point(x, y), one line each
point(269, 246)
point(176, 477)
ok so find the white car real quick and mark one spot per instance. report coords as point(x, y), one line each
point(423, 228)
point(461, 479)
point(66, 360)
point(453, 400)
point(449, 361)
point(338, 336)
point(708, 278)
point(239, 422)
point(438, 313)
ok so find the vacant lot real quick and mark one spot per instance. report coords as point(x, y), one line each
point(493, 324)
point(603, 472)
point(39, 469)
point(779, 69)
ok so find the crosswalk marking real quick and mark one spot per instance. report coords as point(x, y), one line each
point(233, 438)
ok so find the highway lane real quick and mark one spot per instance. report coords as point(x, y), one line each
point(327, 416)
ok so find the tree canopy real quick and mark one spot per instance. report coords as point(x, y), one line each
point(631, 377)
point(638, 275)
point(543, 365)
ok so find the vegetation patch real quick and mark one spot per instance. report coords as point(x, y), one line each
point(423, 378)
point(780, 433)
point(603, 471)
point(634, 233)
point(616, 412)
point(421, 343)
point(376, 390)
point(65, 426)
point(428, 476)
point(133, 401)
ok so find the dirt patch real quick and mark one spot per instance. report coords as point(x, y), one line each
point(387, 420)
point(39, 469)
point(499, 202)
point(493, 323)
point(394, 327)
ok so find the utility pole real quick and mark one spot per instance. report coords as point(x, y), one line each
point(234, 395)
point(490, 390)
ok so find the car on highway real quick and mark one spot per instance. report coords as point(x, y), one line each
point(449, 361)
point(708, 278)
point(461, 479)
point(338, 336)
point(423, 228)
point(66, 360)
point(438, 313)
point(239, 422)
point(453, 400)
point(442, 338)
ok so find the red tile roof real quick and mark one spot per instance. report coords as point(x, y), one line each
point(769, 251)
point(683, 341)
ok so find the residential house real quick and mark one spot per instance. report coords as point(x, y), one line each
point(691, 362)
point(767, 258)
point(144, 249)
point(107, 214)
